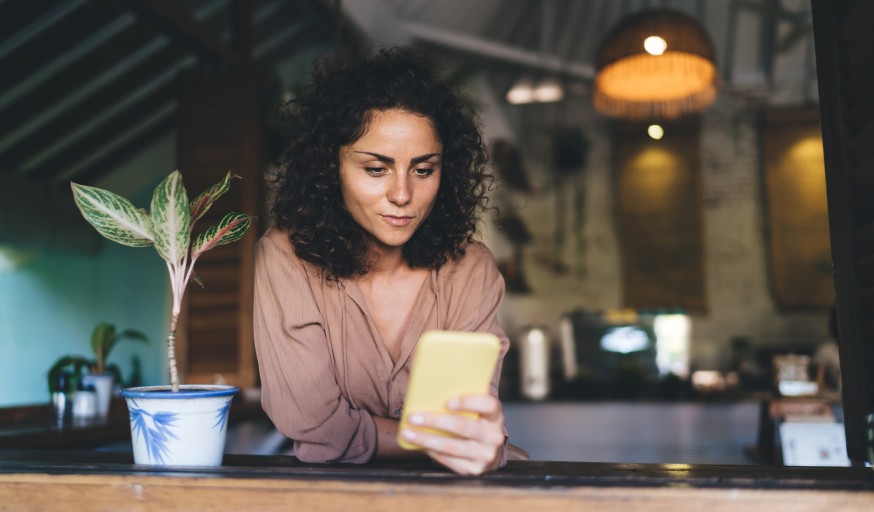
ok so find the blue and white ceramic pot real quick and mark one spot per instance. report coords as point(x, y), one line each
point(102, 383)
point(185, 428)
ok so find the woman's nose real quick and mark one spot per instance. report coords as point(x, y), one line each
point(399, 192)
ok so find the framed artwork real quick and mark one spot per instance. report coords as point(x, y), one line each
point(797, 231)
point(659, 217)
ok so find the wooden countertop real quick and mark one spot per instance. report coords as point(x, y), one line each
point(34, 427)
point(108, 480)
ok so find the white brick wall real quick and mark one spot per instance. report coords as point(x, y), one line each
point(738, 292)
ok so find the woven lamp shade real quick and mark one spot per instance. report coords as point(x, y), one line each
point(632, 83)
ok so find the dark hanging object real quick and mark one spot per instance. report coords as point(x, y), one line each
point(570, 150)
point(508, 163)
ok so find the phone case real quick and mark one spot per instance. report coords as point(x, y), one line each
point(448, 364)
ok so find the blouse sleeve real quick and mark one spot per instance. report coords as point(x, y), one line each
point(299, 390)
point(476, 290)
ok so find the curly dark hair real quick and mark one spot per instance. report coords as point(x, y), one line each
point(335, 110)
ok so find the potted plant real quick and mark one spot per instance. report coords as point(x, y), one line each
point(95, 371)
point(175, 425)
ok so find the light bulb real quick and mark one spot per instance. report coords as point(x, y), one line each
point(655, 45)
point(548, 90)
point(521, 92)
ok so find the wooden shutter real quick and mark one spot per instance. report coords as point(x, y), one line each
point(844, 39)
point(799, 253)
point(659, 219)
point(221, 129)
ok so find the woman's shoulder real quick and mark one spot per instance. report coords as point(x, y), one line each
point(275, 243)
point(477, 258)
point(276, 236)
point(276, 240)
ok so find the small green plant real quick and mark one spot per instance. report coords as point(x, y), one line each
point(167, 227)
point(103, 339)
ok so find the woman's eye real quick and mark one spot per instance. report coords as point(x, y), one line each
point(424, 171)
point(375, 170)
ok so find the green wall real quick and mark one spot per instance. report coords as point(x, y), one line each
point(50, 302)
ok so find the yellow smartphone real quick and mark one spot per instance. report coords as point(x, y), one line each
point(448, 364)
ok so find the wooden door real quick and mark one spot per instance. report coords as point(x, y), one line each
point(221, 129)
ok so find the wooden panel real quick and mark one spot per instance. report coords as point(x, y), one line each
point(799, 250)
point(110, 161)
point(15, 14)
point(79, 24)
point(71, 119)
point(659, 219)
point(106, 56)
point(839, 92)
point(87, 493)
point(221, 129)
point(120, 123)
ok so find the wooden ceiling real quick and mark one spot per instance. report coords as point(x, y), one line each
point(764, 48)
point(88, 83)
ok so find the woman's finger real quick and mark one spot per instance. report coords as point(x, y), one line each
point(463, 448)
point(479, 429)
point(486, 405)
point(461, 466)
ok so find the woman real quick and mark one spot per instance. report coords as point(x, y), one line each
point(376, 205)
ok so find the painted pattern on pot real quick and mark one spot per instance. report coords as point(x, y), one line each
point(185, 428)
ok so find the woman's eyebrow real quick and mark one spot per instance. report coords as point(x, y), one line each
point(381, 158)
point(390, 160)
point(423, 158)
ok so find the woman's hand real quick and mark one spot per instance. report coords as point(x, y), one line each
point(479, 441)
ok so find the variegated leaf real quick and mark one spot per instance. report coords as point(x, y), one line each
point(113, 216)
point(231, 228)
point(201, 203)
point(171, 218)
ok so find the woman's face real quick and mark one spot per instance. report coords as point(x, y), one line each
point(390, 176)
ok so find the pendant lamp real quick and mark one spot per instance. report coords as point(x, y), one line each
point(655, 64)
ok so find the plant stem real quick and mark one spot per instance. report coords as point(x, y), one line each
point(171, 353)
point(171, 337)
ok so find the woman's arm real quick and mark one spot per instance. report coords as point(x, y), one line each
point(300, 392)
point(387, 441)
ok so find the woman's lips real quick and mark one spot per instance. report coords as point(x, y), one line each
point(397, 221)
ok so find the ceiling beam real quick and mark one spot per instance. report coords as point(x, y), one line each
point(508, 20)
point(547, 26)
point(497, 51)
point(571, 29)
point(242, 20)
point(377, 20)
point(179, 25)
point(110, 161)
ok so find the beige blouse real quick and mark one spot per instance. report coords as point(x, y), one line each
point(325, 373)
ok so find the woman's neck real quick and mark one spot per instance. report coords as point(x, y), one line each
point(387, 261)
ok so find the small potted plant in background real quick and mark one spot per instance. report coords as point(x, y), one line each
point(97, 371)
point(175, 425)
